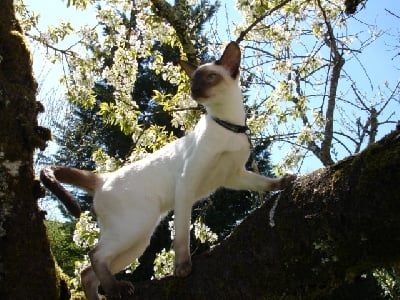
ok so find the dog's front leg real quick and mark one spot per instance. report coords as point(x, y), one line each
point(246, 180)
point(182, 210)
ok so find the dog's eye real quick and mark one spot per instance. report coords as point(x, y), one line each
point(211, 77)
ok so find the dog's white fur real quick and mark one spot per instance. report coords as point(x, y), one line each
point(130, 201)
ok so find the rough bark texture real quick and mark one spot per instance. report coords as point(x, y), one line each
point(27, 269)
point(330, 227)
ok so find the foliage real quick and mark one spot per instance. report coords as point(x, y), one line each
point(302, 59)
point(81, 137)
point(86, 232)
point(86, 235)
point(164, 261)
point(298, 57)
point(64, 250)
point(203, 233)
point(388, 279)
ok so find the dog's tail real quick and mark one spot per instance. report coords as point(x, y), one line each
point(52, 176)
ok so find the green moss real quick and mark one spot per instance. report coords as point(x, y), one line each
point(337, 175)
point(27, 267)
point(62, 283)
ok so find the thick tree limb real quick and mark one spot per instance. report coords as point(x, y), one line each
point(27, 269)
point(330, 227)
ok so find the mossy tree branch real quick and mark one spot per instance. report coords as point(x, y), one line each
point(27, 269)
point(332, 226)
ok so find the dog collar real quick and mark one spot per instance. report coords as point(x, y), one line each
point(232, 127)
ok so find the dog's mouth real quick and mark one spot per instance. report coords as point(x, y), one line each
point(199, 98)
point(199, 95)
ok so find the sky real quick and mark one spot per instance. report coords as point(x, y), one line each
point(377, 59)
point(52, 11)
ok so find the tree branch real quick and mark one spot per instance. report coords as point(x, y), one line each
point(259, 19)
point(338, 62)
point(174, 15)
point(332, 226)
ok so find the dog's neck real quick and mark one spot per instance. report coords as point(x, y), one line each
point(234, 112)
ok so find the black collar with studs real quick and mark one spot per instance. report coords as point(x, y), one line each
point(232, 127)
point(238, 129)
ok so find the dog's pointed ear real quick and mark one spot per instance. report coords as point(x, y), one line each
point(230, 59)
point(187, 67)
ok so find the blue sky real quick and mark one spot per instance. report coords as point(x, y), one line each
point(382, 66)
point(377, 58)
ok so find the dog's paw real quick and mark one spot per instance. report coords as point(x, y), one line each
point(121, 289)
point(287, 179)
point(183, 269)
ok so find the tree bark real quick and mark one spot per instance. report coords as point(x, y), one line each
point(27, 269)
point(330, 227)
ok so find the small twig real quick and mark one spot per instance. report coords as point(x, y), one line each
point(259, 19)
point(392, 13)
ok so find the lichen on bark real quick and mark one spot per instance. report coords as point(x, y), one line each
point(27, 269)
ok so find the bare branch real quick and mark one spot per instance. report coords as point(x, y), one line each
point(338, 62)
point(339, 141)
point(392, 13)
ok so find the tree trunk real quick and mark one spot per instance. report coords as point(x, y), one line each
point(329, 228)
point(27, 269)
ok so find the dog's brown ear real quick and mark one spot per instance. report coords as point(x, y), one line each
point(187, 67)
point(230, 59)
